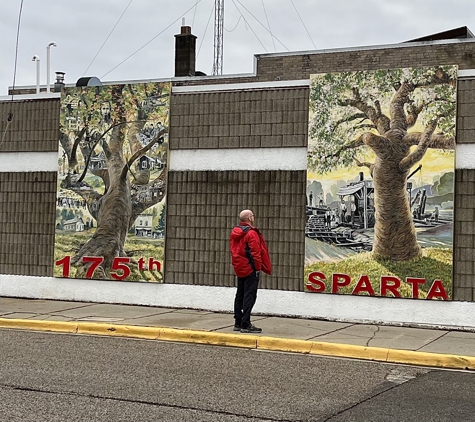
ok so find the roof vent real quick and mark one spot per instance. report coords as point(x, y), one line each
point(89, 81)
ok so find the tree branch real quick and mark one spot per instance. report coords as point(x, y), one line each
point(370, 166)
point(373, 113)
point(437, 141)
point(424, 142)
point(141, 152)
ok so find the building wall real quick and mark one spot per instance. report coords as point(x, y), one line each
point(217, 117)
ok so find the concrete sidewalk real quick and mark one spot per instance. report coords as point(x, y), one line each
point(424, 346)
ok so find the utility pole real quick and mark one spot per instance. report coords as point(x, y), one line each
point(218, 37)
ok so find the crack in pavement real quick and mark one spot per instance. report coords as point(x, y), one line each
point(373, 336)
point(144, 402)
point(385, 390)
point(333, 331)
point(432, 341)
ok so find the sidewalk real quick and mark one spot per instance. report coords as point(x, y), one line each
point(440, 348)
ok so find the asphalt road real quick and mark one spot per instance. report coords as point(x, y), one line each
point(60, 377)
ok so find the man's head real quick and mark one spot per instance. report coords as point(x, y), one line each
point(247, 216)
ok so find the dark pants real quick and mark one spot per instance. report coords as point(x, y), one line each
point(246, 296)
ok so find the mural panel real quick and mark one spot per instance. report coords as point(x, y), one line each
point(380, 183)
point(112, 180)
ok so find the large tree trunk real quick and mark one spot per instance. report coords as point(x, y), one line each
point(113, 217)
point(394, 232)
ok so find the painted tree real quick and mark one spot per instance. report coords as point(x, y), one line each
point(118, 134)
point(384, 120)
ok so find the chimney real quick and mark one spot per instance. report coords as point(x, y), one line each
point(59, 84)
point(185, 52)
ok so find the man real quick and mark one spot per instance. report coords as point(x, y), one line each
point(343, 210)
point(249, 256)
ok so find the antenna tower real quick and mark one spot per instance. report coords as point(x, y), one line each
point(218, 37)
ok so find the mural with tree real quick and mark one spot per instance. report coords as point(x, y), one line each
point(113, 149)
point(384, 121)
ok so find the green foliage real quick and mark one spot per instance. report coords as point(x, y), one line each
point(160, 228)
point(436, 263)
point(447, 183)
point(333, 124)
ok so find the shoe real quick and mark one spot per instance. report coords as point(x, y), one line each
point(237, 327)
point(251, 329)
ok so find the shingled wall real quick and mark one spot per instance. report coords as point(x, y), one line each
point(203, 205)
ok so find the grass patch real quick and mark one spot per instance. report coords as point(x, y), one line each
point(136, 248)
point(436, 263)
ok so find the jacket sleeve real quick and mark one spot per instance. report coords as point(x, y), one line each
point(255, 249)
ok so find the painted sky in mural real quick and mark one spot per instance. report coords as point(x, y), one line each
point(380, 183)
point(112, 179)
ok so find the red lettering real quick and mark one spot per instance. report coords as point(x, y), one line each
point(66, 263)
point(363, 285)
point(152, 263)
point(141, 263)
point(415, 285)
point(316, 282)
point(119, 264)
point(336, 283)
point(95, 262)
point(390, 284)
point(437, 290)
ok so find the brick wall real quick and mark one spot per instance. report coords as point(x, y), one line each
point(204, 206)
point(239, 119)
point(27, 215)
point(34, 127)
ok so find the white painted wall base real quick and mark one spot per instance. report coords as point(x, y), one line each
point(408, 312)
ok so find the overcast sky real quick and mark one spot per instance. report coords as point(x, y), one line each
point(80, 27)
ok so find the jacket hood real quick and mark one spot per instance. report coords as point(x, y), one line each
point(239, 232)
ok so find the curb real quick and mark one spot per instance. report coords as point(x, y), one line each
point(245, 341)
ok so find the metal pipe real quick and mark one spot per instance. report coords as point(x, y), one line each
point(37, 60)
point(48, 63)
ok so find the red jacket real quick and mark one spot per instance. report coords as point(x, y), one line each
point(249, 251)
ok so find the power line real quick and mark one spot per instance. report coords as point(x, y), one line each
point(194, 14)
point(268, 24)
point(235, 26)
point(110, 33)
point(10, 113)
point(156, 36)
point(260, 23)
point(303, 23)
point(206, 30)
point(247, 23)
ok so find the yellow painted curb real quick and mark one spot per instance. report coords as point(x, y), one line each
point(206, 337)
point(284, 345)
point(349, 350)
point(408, 357)
point(32, 324)
point(431, 359)
point(118, 330)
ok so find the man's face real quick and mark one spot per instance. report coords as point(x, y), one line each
point(251, 218)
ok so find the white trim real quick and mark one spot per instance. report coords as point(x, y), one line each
point(28, 161)
point(466, 73)
point(24, 97)
point(292, 158)
point(462, 74)
point(435, 314)
point(239, 159)
point(465, 156)
point(241, 86)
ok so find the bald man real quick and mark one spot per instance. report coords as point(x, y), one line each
point(249, 256)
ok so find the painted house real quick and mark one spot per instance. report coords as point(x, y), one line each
point(143, 225)
point(74, 225)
